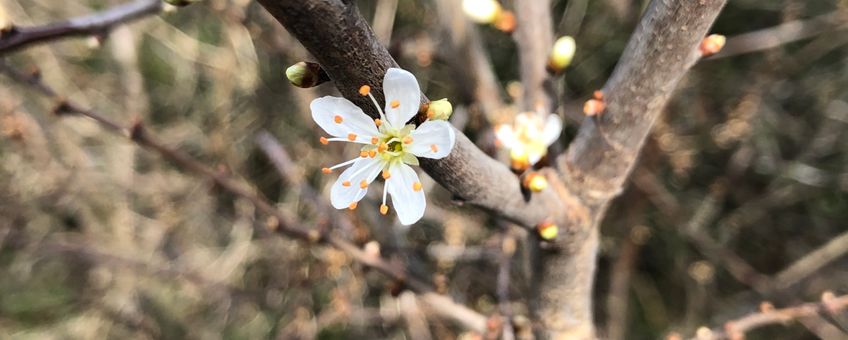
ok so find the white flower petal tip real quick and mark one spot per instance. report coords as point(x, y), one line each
point(390, 146)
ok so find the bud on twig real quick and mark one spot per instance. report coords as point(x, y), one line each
point(561, 54)
point(547, 230)
point(535, 181)
point(712, 44)
point(306, 75)
point(439, 109)
point(482, 11)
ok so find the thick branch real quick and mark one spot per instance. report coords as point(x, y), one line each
point(339, 38)
point(94, 24)
point(594, 170)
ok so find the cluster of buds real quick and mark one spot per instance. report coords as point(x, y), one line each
point(712, 44)
point(489, 12)
point(561, 54)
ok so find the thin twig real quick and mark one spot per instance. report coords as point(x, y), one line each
point(782, 34)
point(283, 224)
point(94, 24)
point(736, 329)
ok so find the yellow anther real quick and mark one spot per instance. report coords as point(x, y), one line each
point(352, 206)
point(324, 140)
point(363, 184)
point(375, 140)
point(384, 209)
point(416, 186)
point(378, 122)
point(519, 159)
point(372, 153)
point(351, 136)
point(338, 119)
point(383, 147)
point(395, 104)
point(386, 174)
point(407, 140)
point(326, 170)
point(346, 183)
point(363, 154)
point(434, 148)
point(364, 90)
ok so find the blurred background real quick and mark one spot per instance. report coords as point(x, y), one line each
point(740, 196)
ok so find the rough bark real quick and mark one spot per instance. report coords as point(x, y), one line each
point(335, 33)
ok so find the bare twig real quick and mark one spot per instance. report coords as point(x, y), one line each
point(736, 329)
point(783, 34)
point(810, 263)
point(283, 223)
point(534, 36)
point(94, 24)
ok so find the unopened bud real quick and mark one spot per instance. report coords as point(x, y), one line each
point(439, 110)
point(482, 11)
point(535, 182)
point(519, 160)
point(562, 54)
point(712, 44)
point(306, 74)
point(180, 3)
point(547, 230)
point(594, 107)
point(505, 22)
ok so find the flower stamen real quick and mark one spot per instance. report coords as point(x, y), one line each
point(383, 147)
point(363, 184)
point(386, 174)
point(372, 153)
point(375, 140)
point(416, 186)
point(384, 209)
point(352, 206)
point(363, 154)
point(378, 122)
point(346, 183)
point(326, 170)
point(338, 119)
point(351, 136)
point(407, 140)
point(434, 148)
point(395, 104)
point(324, 140)
point(364, 90)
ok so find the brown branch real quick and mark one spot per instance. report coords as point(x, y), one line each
point(736, 329)
point(94, 24)
point(346, 47)
point(534, 36)
point(598, 162)
point(283, 223)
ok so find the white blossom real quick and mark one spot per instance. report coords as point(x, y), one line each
point(389, 145)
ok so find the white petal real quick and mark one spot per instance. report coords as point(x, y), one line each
point(364, 169)
point(408, 203)
point(353, 120)
point(432, 139)
point(505, 135)
point(401, 85)
point(553, 128)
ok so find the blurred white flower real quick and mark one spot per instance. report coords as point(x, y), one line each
point(528, 137)
point(389, 145)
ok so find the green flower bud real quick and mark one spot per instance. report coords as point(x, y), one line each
point(440, 109)
point(562, 53)
point(306, 75)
